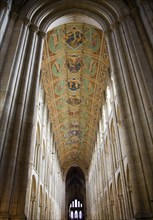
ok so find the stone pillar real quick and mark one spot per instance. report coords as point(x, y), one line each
point(146, 12)
point(140, 72)
point(4, 17)
point(11, 73)
point(3, 6)
point(120, 70)
point(5, 49)
point(19, 131)
point(134, 104)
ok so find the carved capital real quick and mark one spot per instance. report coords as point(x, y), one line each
point(34, 28)
point(42, 34)
point(26, 21)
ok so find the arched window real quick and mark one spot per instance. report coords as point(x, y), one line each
point(113, 83)
point(43, 162)
point(107, 156)
point(76, 203)
point(103, 119)
point(114, 145)
point(80, 214)
point(32, 198)
point(76, 214)
point(37, 149)
point(120, 198)
point(71, 215)
point(129, 187)
point(40, 203)
point(112, 202)
point(108, 100)
point(75, 209)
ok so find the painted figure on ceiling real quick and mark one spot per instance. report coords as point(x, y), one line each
point(73, 84)
point(74, 38)
point(74, 63)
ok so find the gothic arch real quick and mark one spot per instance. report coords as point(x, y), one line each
point(42, 14)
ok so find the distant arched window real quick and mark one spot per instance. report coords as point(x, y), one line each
point(71, 215)
point(76, 214)
point(80, 215)
point(114, 145)
point(75, 210)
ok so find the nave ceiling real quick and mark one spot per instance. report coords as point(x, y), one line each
point(74, 74)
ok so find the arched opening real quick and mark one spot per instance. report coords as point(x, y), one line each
point(33, 198)
point(120, 197)
point(112, 202)
point(75, 194)
point(40, 203)
point(37, 149)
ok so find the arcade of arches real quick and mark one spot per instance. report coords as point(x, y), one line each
point(76, 94)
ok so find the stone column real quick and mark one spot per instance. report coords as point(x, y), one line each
point(3, 6)
point(19, 133)
point(11, 73)
point(146, 12)
point(140, 73)
point(124, 114)
point(4, 17)
point(137, 133)
point(5, 48)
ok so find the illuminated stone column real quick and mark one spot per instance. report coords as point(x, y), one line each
point(140, 56)
point(139, 115)
point(5, 7)
point(11, 72)
point(19, 132)
point(133, 138)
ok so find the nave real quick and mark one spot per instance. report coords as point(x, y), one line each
point(76, 92)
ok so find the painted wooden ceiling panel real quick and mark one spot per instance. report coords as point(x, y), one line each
point(74, 75)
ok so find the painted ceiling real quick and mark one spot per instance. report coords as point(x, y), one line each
point(74, 75)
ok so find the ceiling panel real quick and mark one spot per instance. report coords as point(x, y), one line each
point(74, 75)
